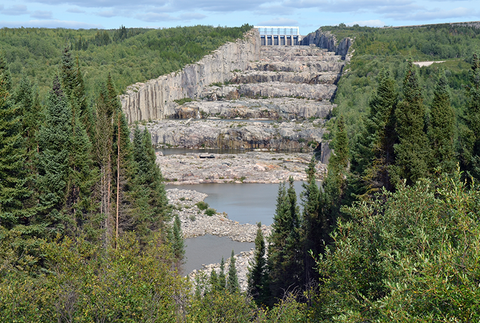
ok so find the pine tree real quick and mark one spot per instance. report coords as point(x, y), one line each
point(150, 205)
point(311, 227)
point(257, 274)
point(105, 108)
point(232, 282)
point(470, 139)
point(213, 281)
point(412, 153)
point(177, 243)
point(82, 174)
point(335, 183)
point(14, 176)
point(221, 276)
point(285, 249)
point(374, 152)
point(441, 130)
point(53, 161)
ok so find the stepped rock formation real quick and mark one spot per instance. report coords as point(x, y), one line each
point(286, 84)
point(154, 99)
point(237, 134)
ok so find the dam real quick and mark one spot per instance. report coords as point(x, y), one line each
point(279, 35)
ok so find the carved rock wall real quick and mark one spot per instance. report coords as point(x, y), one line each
point(328, 41)
point(154, 99)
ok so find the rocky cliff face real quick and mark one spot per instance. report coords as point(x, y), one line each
point(237, 134)
point(154, 99)
point(328, 41)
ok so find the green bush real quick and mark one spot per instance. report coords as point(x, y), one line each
point(210, 211)
point(202, 205)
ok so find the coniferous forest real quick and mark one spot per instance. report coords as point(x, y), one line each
point(391, 234)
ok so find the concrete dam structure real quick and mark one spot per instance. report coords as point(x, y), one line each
point(279, 35)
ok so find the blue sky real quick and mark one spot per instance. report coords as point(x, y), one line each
point(307, 14)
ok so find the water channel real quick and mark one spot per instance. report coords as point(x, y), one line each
point(245, 203)
point(209, 249)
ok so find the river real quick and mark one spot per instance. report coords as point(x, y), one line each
point(210, 249)
point(245, 203)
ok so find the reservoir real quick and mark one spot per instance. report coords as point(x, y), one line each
point(245, 203)
point(210, 249)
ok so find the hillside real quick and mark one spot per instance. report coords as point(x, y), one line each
point(390, 48)
point(130, 55)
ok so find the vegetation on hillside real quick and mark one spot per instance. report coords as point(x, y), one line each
point(129, 55)
point(391, 49)
point(392, 233)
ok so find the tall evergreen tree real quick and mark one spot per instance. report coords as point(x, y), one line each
point(232, 282)
point(470, 139)
point(177, 243)
point(412, 153)
point(221, 275)
point(335, 183)
point(14, 176)
point(105, 109)
point(311, 225)
point(285, 250)
point(257, 274)
point(441, 130)
point(150, 205)
point(53, 162)
point(213, 281)
point(374, 153)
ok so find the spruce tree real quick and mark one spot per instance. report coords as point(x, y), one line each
point(311, 226)
point(374, 153)
point(441, 130)
point(285, 249)
point(150, 205)
point(221, 275)
point(53, 162)
point(103, 146)
point(177, 243)
point(257, 274)
point(213, 281)
point(232, 282)
point(470, 138)
point(335, 183)
point(412, 153)
point(15, 191)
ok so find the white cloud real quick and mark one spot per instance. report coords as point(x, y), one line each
point(192, 16)
point(15, 10)
point(49, 24)
point(107, 13)
point(156, 17)
point(39, 14)
point(368, 23)
point(278, 22)
point(75, 10)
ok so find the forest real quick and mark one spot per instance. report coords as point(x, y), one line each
point(129, 55)
point(391, 235)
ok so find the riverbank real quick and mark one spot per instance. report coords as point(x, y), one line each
point(195, 222)
point(248, 167)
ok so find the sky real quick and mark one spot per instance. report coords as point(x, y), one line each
point(309, 15)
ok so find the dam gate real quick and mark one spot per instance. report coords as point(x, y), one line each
point(279, 35)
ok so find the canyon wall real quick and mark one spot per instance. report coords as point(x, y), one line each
point(154, 99)
point(328, 41)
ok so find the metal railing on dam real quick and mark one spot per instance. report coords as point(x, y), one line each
point(279, 35)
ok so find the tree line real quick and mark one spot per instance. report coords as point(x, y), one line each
point(129, 55)
point(391, 234)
